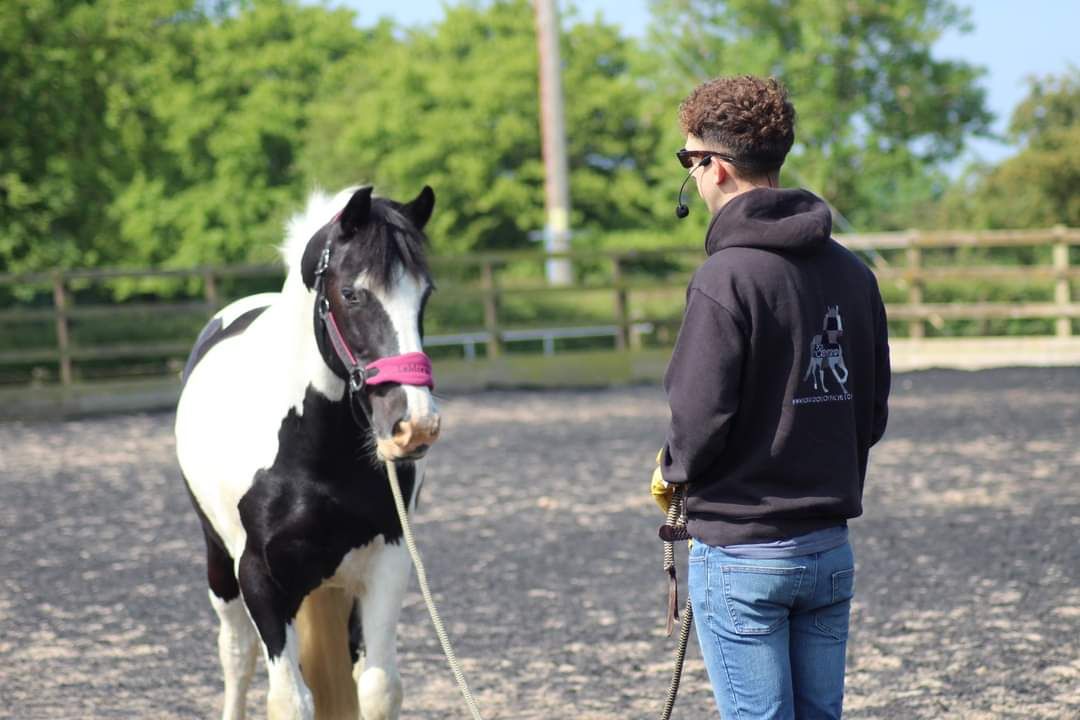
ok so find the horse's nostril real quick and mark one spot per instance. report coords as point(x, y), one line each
point(410, 435)
point(402, 433)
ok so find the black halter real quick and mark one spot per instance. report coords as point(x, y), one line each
point(356, 375)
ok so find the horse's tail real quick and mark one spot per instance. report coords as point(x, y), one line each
point(323, 627)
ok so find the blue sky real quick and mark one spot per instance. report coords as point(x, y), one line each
point(1012, 39)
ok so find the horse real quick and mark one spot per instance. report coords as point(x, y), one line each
point(825, 348)
point(290, 404)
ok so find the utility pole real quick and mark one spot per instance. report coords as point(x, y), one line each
point(553, 134)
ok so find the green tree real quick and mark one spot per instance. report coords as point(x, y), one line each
point(70, 107)
point(1036, 187)
point(231, 104)
point(157, 133)
point(878, 114)
point(456, 106)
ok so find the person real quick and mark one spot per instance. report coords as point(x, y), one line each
point(778, 387)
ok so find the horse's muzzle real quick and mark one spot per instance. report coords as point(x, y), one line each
point(410, 439)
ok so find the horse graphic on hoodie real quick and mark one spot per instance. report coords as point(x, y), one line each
point(825, 350)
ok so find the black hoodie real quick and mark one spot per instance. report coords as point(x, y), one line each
point(780, 375)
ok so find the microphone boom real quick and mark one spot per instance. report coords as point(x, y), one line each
point(681, 210)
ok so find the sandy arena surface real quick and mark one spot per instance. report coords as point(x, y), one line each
point(539, 538)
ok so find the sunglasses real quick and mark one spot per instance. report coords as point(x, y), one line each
point(686, 157)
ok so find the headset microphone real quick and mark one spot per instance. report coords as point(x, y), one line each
point(681, 210)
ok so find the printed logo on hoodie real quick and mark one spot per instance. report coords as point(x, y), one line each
point(826, 353)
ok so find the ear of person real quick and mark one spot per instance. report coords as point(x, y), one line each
point(720, 173)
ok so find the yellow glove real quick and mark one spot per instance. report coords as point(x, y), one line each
point(660, 489)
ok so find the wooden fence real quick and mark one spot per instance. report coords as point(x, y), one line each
point(907, 270)
point(915, 275)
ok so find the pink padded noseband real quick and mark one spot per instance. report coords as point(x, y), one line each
point(409, 369)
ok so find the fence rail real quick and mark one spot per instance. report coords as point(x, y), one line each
point(625, 329)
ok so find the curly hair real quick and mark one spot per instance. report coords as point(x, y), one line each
point(750, 117)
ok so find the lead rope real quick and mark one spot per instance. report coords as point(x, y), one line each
point(675, 521)
point(675, 529)
point(421, 578)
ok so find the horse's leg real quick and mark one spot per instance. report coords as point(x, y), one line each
point(815, 370)
point(237, 645)
point(379, 684)
point(323, 627)
point(356, 638)
point(838, 362)
point(237, 641)
point(274, 609)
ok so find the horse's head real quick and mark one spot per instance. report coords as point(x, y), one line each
point(373, 285)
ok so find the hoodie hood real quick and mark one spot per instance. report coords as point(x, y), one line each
point(795, 221)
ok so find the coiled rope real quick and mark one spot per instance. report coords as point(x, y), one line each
point(676, 521)
point(421, 578)
point(680, 656)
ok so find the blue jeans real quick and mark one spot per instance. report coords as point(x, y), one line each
point(773, 632)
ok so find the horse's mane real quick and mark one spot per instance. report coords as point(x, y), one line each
point(389, 242)
point(320, 207)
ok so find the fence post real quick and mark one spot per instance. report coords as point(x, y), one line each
point(916, 328)
point(1063, 325)
point(210, 290)
point(63, 337)
point(491, 310)
point(622, 315)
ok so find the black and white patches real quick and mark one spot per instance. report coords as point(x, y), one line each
point(356, 633)
point(220, 575)
point(214, 332)
point(320, 499)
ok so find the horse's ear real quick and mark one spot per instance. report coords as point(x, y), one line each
point(356, 212)
point(310, 259)
point(419, 210)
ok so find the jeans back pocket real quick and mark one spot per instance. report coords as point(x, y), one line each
point(843, 585)
point(835, 617)
point(759, 598)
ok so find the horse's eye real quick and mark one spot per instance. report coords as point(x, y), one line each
point(349, 294)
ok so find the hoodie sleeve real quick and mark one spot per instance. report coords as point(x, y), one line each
point(882, 371)
point(702, 384)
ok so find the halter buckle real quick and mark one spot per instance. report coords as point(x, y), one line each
point(324, 261)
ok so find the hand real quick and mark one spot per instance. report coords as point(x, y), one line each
point(661, 490)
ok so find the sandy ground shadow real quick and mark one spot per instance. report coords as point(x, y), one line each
point(540, 542)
